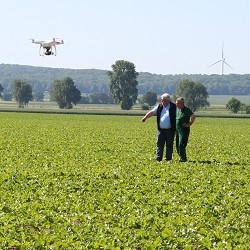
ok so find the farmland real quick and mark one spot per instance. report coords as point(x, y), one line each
point(74, 181)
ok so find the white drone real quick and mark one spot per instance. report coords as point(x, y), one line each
point(48, 47)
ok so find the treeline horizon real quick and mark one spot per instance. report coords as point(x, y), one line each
point(97, 81)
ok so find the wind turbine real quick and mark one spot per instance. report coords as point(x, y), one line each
point(223, 61)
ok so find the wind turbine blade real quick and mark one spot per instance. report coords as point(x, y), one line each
point(214, 63)
point(228, 64)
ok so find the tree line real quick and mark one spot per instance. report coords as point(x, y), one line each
point(123, 86)
point(90, 81)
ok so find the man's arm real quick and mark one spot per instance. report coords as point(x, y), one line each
point(191, 121)
point(148, 115)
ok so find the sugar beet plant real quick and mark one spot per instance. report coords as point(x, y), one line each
point(88, 182)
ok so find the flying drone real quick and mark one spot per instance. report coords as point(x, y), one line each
point(48, 47)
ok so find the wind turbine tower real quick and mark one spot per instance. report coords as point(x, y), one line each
point(222, 60)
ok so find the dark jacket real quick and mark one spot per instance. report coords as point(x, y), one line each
point(172, 114)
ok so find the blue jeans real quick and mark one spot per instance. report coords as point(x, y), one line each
point(165, 137)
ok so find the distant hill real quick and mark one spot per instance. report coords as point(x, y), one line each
point(95, 80)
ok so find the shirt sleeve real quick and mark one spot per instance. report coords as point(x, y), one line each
point(154, 110)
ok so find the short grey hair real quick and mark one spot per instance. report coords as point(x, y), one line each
point(165, 96)
point(180, 99)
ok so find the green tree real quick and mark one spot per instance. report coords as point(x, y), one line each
point(194, 93)
point(234, 105)
point(38, 97)
point(123, 83)
point(22, 92)
point(1, 91)
point(65, 93)
point(150, 98)
point(247, 109)
point(85, 100)
point(101, 98)
point(7, 96)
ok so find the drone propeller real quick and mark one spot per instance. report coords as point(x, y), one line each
point(59, 40)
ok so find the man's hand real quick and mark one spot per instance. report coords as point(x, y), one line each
point(186, 125)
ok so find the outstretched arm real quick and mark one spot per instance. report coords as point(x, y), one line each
point(148, 115)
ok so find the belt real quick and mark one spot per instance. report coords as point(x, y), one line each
point(165, 128)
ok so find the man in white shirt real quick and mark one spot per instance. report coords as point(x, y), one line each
point(166, 125)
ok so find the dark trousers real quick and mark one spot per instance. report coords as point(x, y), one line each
point(165, 137)
point(182, 135)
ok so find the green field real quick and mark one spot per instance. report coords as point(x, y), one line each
point(217, 107)
point(223, 99)
point(88, 182)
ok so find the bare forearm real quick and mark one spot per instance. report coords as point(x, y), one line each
point(148, 115)
point(192, 119)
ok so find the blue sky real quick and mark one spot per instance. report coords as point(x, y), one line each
point(158, 36)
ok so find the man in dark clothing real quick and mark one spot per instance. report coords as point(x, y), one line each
point(166, 125)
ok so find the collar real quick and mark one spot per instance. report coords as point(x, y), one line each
point(167, 106)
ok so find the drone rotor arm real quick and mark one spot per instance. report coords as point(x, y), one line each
point(37, 42)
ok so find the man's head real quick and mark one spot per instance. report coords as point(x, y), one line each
point(180, 103)
point(165, 99)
